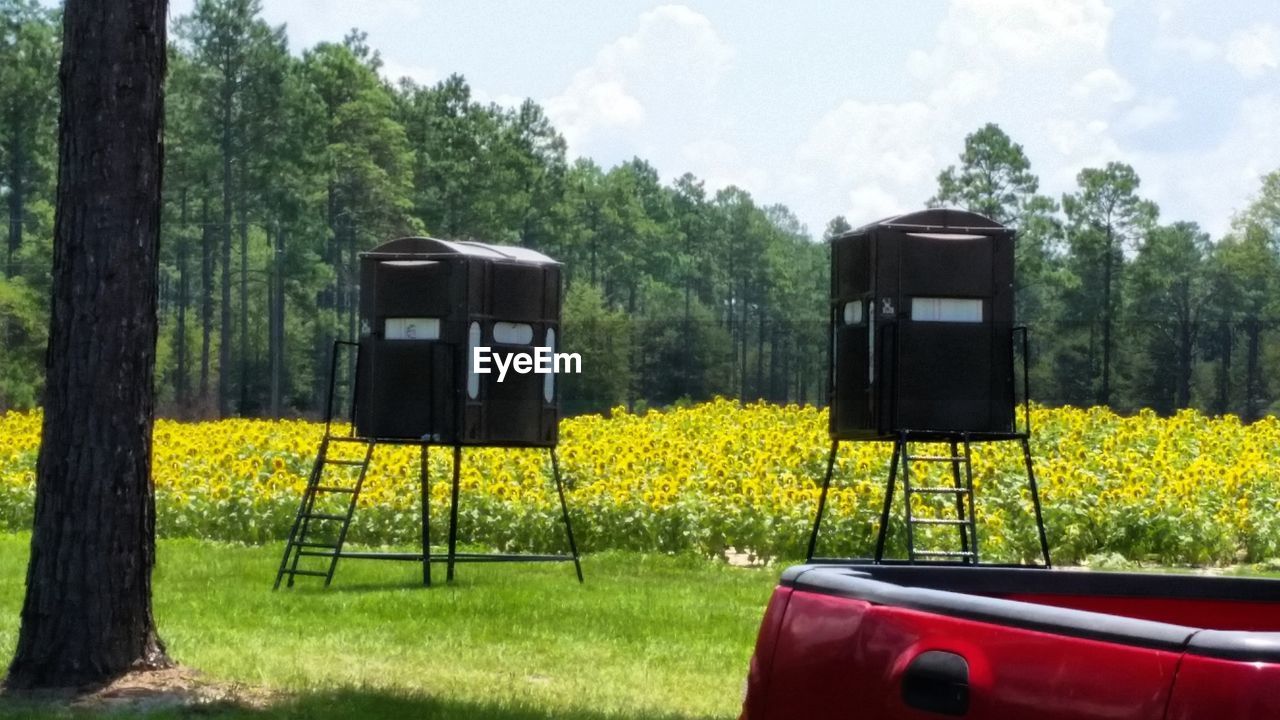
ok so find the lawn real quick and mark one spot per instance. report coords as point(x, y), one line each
point(646, 636)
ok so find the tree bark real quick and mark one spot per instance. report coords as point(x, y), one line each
point(224, 333)
point(760, 389)
point(1225, 341)
point(181, 389)
point(206, 301)
point(1253, 379)
point(1186, 352)
point(244, 311)
point(17, 201)
point(352, 302)
point(277, 321)
point(1104, 395)
point(87, 613)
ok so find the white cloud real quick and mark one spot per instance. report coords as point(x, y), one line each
point(1187, 45)
point(1074, 144)
point(1254, 51)
point(1173, 36)
point(878, 157)
point(1102, 85)
point(506, 100)
point(591, 103)
point(1209, 185)
point(1149, 113)
point(996, 39)
point(1039, 69)
point(720, 164)
point(669, 65)
point(393, 70)
point(314, 21)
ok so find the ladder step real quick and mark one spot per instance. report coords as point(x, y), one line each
point(354, 463)
point(314, 573)
point(936, 458)
point(305, 553)
point(946, 553)
point(329, 488)
point(931, 521)
point(330, 546)
point(345, 438)
point(324, 516)
point(952, 491)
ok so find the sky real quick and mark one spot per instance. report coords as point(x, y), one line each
point(854, 107)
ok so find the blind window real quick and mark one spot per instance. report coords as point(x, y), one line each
point(853, 313)
point(956, 310)
point(512, 333)
point(412, 329)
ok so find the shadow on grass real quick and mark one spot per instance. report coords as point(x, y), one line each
point(438, 583)
point(378, 704)
point(345, 704)
point(359, 587)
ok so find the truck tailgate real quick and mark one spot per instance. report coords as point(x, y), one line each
point(843, 658)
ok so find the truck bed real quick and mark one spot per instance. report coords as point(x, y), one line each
point(886, 641)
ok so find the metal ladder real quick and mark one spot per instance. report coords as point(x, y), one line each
point(301, 542)
point(961, 490)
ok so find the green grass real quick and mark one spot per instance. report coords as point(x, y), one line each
point(646, 636)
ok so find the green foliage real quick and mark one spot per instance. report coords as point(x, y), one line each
point(29, 49)
point(836, 227)
point(282, 167)
point(994, 178)
point(647, 636)
point(1106, 219)
point(22, 331)
point(682, 353)
point(1169, 291)
point(603, 338)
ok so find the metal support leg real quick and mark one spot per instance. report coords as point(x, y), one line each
point(906, 497)
point(1035, 501)
point(822, 500)
point(888, 502)
point(424, 479)
point(564, 512)
point(959, 485)
point(973, 512)
point(453, 512)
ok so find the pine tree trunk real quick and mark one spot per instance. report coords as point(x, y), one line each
point(244, 311)
point(353, 288)
point(746, 347)
point(87, 614)
point(1104, 394)
point(1186, 350)
point(277, 322)
point(180, 390)
point(1253, 379)
point(224, 332)
point(17, 202)
point(206, 301)
point(1225, 341)
point(760, 389)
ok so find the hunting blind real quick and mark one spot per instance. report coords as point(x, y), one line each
point(425, 306)
point(923, 348)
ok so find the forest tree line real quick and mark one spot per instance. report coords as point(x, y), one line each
point(282, 167)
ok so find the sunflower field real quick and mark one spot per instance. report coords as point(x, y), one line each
point(706, 478)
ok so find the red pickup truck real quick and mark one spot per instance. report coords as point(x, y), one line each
point(889, 642)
